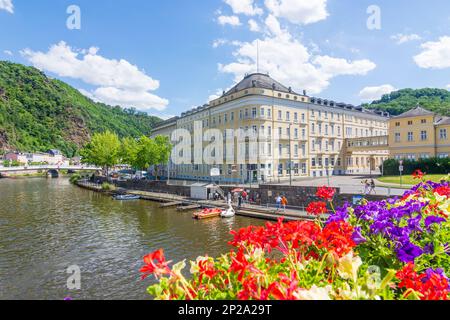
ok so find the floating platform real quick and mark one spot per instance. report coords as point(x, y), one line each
point(171, 204)
point(190, 207)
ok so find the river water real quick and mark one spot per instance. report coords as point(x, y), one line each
point(48, 225)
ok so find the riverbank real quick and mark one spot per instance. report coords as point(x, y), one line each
point(48, 225)
point(166, 199)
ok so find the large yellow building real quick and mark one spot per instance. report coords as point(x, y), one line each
point(295, 132)
point(419, 133)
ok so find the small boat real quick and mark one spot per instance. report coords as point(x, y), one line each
point(207, 213)
point(126, 197)
point(229, 213)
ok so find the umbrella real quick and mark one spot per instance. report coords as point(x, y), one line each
point(237, 190)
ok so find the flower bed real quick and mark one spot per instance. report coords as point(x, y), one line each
point(395, 249)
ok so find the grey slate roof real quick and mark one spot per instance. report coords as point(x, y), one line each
point(443, 121)
point(259, 80)
point(417, 112)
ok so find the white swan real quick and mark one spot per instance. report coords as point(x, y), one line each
point(228, 213)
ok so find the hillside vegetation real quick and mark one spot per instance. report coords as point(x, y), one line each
point(398, 102)
point(38, 113)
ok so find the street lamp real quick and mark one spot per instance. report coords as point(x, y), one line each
point(290, 156)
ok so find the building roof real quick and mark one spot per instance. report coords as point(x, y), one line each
point(417, 112)
point(259, 80)
point(443, 121)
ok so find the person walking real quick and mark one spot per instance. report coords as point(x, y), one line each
point(284, 203)
point(278, 201)
point(372, 187)
point(240, 201)
point(366, 186)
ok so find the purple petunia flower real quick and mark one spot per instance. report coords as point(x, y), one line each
point(357, 236)
point(408, 252)
point(429, 248)
point(432, 220)
point(414, 223)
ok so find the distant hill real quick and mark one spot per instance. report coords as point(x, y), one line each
point(38, 113)
point(437, 100)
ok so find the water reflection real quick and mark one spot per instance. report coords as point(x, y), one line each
point(48, 225)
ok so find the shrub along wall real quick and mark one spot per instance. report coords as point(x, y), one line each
point(429, 166)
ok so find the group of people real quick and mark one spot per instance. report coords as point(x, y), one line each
point(282, 202)
point(369, 186)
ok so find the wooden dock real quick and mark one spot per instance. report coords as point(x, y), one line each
point(171, 204)
point(190, 207)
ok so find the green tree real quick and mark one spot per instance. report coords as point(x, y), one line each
point(147, 153)
point(129, 150)
point(164, 148)
point(103, 150)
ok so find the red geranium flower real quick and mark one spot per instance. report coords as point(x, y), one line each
point(155, 263)
point(443, 191)
point(326, 193)
point(317, 208)
point(418, 174)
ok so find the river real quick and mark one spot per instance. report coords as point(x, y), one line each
point(47, 225)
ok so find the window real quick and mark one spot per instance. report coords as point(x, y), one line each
point(333, 161)
point(320, 162)
point(295, 116)
point(288, 116)
point(262, 112)
point(410, 123)
point(423, 121)
point(269, 147)
point(397, 137)
point(320, 128)
point(303, 168)
point(296, 133)
point(339, 162)
point(303, 150)
point(303, 117)
point(269, 131)
point(304, 133)
point(280, 169)
point(313, 162)
point(280, 131)
point(423, 135)
point(326, 129)
point(313, 145)
point(296, 150)
point(313, 128)
point(280, 149)
point(410, 136)
point(240, 114)
point(397, 124)
point(254, 112)
point(269, 113)
point(443, 134)
point(280, 115)
point(232, 116)
point(225, 118)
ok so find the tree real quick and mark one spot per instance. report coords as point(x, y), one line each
point(129, 150)
point(146, 153)
point(164, 148)
point(103, 150)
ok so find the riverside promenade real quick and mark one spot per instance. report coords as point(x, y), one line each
point(247, 210)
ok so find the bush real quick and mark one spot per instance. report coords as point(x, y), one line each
point(75, 178)
point(429, 166)
point(108, 187)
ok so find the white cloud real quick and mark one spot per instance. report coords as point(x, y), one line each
point(118, 81)
point(298, 11)
point(401, 38)
point(448, 86)
point(246, 7)
point(375, 93)
point(253, 26)
point(231, 20)
point(336, 66)
point(435, 55)
point(216, 95)
point(8, 52)
point(290, 62)
point(7, 5)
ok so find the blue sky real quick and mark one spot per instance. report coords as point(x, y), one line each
point(167, 56)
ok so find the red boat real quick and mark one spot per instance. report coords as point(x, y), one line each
point(207, 213)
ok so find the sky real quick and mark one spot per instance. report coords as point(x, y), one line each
point(165, 57)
